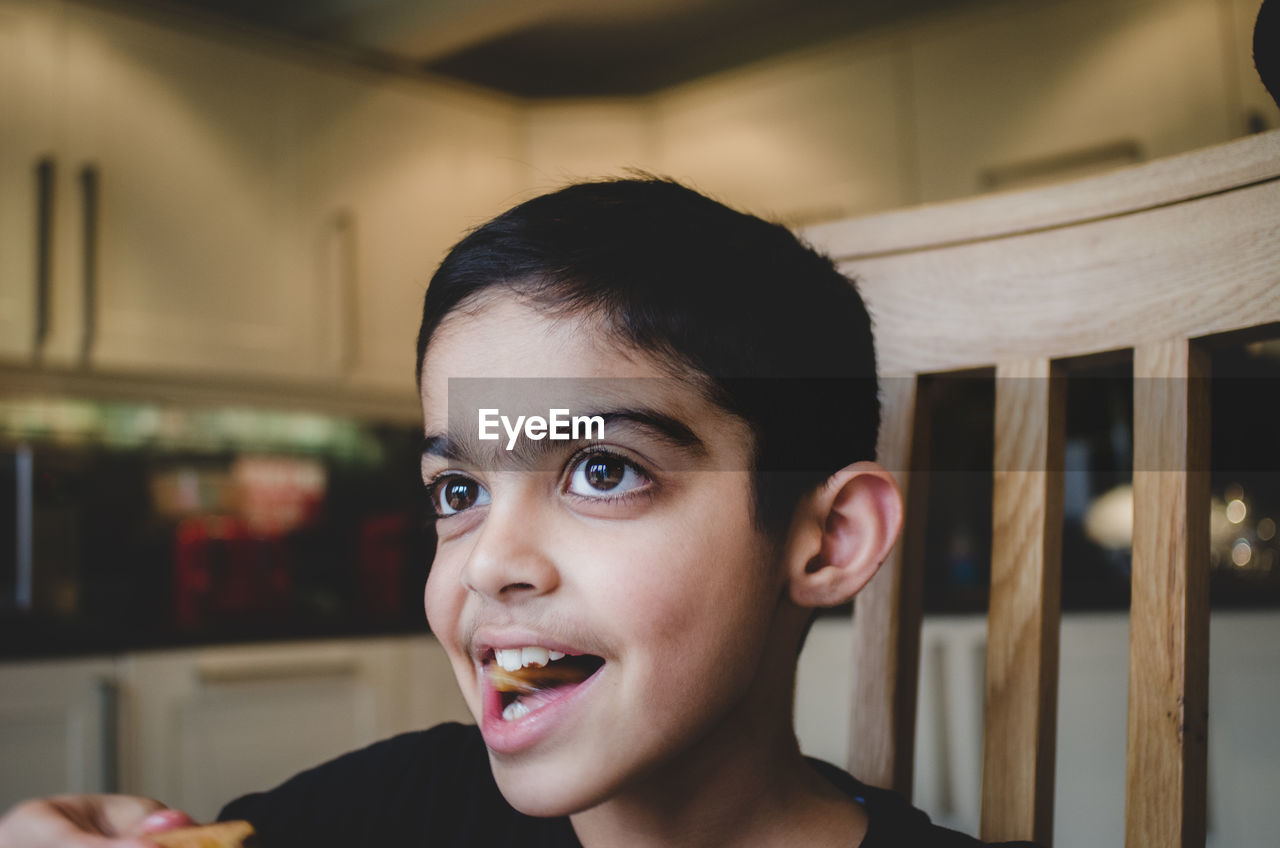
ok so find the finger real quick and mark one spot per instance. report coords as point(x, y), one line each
point(65, 822)
point(162, 820)
point(108, 815)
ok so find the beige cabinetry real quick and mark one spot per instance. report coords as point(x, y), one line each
point(807, 139)
point(1039, 92)
point(147, 210)
point(180, 148)
point(31, 131)
point(201, 727)
point(433, 690)
point(391, 172)
point(57, 728)
point(220, 206)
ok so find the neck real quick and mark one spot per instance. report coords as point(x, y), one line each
point(747, 784)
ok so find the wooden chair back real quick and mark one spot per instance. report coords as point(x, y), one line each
point(1162, 259)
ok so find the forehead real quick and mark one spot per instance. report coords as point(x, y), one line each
point(504, 351)
point(504, 331)
point(512, 360)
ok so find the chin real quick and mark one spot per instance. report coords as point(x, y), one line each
point(535, 792)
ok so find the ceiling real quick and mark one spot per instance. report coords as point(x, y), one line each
point(557, 48)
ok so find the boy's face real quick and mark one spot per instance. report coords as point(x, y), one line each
point(638, 550)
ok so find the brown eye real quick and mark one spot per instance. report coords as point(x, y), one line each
point(605, 476)
point(454, 494)
point(605, 472)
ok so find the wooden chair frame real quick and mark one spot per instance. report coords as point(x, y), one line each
point(1161, 259)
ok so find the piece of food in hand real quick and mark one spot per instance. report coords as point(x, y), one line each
point(231, 834)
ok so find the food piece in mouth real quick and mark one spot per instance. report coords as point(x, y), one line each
point(532, 679)
point(523, 686)
point(231, 834)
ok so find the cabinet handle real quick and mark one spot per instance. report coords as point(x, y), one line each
point(45, 176)
point(24, 494)
point(342, 289)
point(214, 674)
point(89, 196)
point(108, 696)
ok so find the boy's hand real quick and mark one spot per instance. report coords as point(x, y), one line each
point(88, 821)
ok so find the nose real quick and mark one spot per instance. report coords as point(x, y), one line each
point(510, 560)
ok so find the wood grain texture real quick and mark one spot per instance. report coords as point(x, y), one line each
point(1165, 181)
point(1026, 583)
point(1187, 248)
point(1169, 613)
point(887, 613)
point(1206, 266)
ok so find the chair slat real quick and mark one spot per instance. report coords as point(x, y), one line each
point(1169, 613)
point(887, 612)
point(1026, 587)
point(1176, 250)
point(1207, 266)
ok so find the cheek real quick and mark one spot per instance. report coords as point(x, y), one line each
point(441, 599)
point(443, 605)
point(693, 580)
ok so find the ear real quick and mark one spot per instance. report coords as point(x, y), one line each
point(840, 533)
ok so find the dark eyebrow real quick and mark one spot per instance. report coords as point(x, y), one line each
point(659, 425)
point(440, 446)
point(663, 426)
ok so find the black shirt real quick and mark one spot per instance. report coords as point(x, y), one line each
point(434, 788)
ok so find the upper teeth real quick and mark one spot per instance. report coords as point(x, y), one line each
point(514, 659)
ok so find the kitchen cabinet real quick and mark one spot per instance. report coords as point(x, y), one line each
point(181, 150)
point(1011, 96)
point(32, 81)
point(433, 690)
point(200, 727)
point(391, 172)
point(147, 218)
point(57, 728)
point(809, 139)
point(223, 207)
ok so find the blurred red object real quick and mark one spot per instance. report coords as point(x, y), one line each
point(222, 571)
point(383, 551)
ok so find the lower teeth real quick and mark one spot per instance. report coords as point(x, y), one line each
point(515, 710)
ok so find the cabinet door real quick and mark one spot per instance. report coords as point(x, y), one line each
point(1039, 92)
point(181, 151)
point(393, 173)
point(57, 728)
point(434, 696)
point(31, 94)
point(204, 727)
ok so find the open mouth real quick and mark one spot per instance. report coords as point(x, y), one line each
point(526, 679)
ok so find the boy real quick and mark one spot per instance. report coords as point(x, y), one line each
point(623, 607)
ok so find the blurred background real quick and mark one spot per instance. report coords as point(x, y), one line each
point(217, 219)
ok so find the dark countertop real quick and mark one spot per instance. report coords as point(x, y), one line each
point(26, 637)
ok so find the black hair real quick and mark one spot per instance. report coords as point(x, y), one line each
point(1266, 47)
point(781, 335)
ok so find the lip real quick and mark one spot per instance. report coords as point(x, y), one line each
point(512, 737)
point(485, 642)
